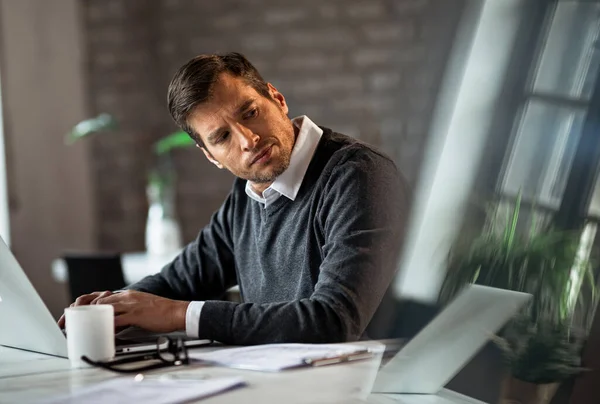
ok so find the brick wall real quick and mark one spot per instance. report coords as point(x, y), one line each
point(370, 69)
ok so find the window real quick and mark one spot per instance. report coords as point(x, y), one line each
point(556, 104)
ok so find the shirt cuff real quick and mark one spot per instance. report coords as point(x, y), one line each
point(192, 319)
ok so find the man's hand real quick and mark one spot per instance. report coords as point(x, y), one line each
point(147, 311)
point(84, 300)
point(144, 310)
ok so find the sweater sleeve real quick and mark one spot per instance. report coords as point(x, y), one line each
point(362, 214)
point(205, 269)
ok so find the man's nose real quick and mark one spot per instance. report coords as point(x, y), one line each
point(248, 139)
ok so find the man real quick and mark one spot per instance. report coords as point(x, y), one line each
point(310, 230)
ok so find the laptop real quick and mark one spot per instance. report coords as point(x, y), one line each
point(439, 351)
point(26, 322)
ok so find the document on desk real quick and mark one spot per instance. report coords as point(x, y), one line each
point(148, 391)
point(276, 357)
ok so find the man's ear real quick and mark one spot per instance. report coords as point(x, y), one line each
point(278, 98)
point(210, 157)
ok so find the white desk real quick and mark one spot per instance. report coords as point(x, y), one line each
point(36, 377)
point(135, 266)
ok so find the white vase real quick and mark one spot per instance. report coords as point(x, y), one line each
point(163, 233)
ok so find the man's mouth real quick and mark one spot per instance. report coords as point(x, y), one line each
point(262, 156)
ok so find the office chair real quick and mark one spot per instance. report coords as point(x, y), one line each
point(93, 272)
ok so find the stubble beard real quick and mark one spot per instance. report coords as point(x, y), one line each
point(271, 176)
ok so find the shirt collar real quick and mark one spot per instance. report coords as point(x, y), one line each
point(289, 182)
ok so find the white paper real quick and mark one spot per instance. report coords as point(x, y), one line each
point(274, 357)
point(148, 391)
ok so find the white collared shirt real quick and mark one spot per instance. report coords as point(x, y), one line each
point(287, 184)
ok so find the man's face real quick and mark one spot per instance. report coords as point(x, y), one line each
point(244, 132)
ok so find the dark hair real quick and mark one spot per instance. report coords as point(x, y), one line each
point(193, 83)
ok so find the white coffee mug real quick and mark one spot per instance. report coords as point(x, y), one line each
point(90, 332)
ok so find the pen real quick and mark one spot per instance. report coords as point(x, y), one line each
point(169, 377)
point(353, 356)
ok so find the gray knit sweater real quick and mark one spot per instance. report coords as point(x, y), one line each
point(310, 270)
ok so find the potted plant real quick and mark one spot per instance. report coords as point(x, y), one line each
point(540, 355)
point(542, 346)
point(163, 234)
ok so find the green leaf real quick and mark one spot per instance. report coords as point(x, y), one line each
point(101, 123)
point(173, 141)
point(511, 231)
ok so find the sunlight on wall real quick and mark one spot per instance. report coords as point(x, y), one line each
point(467, 102)
point(4, 221)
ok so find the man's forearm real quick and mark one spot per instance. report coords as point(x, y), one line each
point(203, 270)
point(306, 321)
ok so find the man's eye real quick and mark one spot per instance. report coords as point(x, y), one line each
point(223, 137)
point(251, 114)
